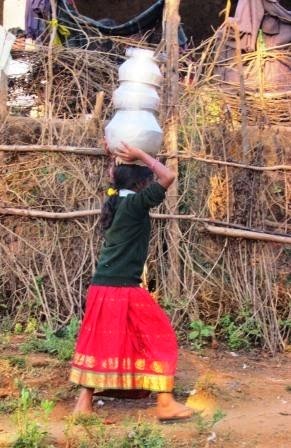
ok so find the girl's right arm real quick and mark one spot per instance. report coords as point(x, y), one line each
point(129, 154)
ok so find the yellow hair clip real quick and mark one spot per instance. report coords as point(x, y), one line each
point(112, 192)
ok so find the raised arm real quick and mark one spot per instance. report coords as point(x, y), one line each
point(165, 176)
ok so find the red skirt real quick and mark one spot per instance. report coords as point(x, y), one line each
point(125, 341)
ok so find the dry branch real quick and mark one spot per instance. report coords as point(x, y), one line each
point(162, 216)
point(46, 265)
point(3, 95)
point(234, 164)
point(51, 148)
point(235, 233)
point(48, 215)
point(100, 152)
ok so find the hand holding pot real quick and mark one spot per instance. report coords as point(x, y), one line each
point(128, 154)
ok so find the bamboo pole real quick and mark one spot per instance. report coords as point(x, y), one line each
point(84, 151)
point(235, 233)
point(171, 24)
point(230, 231)
point(50, 70)
point(34, 213)
point(3, 102)
point(3, 96)
point(95, 152)
point(1, 11)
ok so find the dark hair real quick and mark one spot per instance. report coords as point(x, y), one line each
point(18, 32)
point(130, 177)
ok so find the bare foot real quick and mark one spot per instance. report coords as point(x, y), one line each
point(169, 408)
point(84, 403)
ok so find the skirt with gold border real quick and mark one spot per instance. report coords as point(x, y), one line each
point(126, 341)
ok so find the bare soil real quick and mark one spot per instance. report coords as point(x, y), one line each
point(252, 390)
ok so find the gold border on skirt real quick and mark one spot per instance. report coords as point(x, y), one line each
point(98, 380)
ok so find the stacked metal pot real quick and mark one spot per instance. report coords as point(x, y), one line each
point(136, 101)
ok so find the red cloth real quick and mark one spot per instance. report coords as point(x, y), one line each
point(125, 342)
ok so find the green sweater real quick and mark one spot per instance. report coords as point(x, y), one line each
point(126, 241)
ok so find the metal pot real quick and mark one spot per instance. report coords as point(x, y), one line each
point(138, 128)
point(131, 95)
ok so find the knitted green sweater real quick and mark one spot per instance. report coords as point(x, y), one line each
point(126, 241)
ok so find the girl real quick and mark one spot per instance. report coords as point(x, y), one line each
point(126, 341)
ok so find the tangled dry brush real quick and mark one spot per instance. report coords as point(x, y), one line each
point(46, 264)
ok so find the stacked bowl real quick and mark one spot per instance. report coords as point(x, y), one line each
point(137, 102)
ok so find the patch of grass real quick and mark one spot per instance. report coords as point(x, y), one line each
point(97, 435)
point(8, 405)
point(66, 393)
point(6, 323)
point(60, 344)
point(143, 435)
point(5, 340)
point(204, 425)
point(15, 361)
point(241, 332)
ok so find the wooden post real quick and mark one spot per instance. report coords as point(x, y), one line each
point(171, 97)
point(242, 93)
point(1, 11)
point(50, 74)
point(3, 96)
point(3, 80)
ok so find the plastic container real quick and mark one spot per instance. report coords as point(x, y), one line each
point(138, 128)
point(140, 67)
point(133, 95)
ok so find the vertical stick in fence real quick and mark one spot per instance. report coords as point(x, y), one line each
point(242, 92)
point(3, 96)
point(50, 74)
point(171, 23)
point(1, 11)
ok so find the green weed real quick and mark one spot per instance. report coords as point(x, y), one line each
point(31, 326)
point(30, 433)
point(199, 334)
point(94, 433)
point(18, 328)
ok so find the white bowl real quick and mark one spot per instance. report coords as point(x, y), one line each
point(140, 67)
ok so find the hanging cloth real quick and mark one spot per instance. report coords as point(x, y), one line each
point(267, 22)
point(37, 11)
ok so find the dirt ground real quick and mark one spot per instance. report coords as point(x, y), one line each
point(253, 391)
